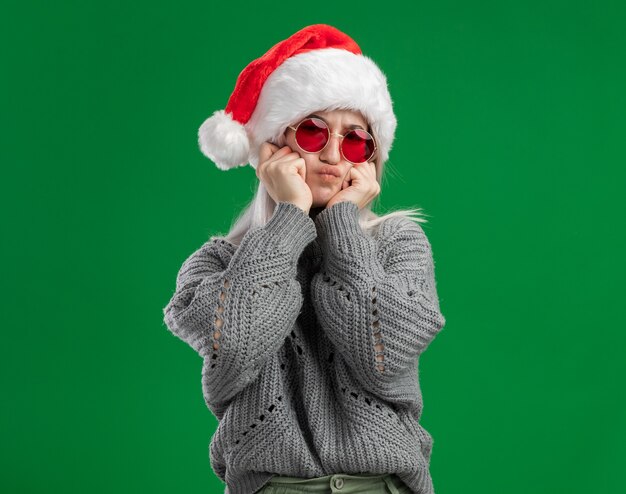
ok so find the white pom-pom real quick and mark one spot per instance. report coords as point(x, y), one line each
point(224, 141)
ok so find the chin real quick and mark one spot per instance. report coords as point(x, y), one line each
point(321, 199)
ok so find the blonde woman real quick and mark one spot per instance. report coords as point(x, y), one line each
point(311, 314)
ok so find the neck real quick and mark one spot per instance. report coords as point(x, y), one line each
point(313, 212)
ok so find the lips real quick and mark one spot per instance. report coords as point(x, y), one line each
point(330, 170)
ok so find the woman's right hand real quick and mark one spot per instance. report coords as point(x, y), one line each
point(283, 172)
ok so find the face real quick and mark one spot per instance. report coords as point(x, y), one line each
point(324, 186)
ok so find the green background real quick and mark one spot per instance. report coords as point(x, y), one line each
point(511, 133)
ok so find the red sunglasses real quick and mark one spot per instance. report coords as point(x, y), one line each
point(313, 135)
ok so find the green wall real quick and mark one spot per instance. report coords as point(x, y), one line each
point(511, 132)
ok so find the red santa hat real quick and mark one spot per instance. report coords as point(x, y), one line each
point(319, 68)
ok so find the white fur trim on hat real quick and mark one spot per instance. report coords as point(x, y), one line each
point(224, 141)
point(323, 80)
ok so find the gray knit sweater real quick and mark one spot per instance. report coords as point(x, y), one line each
point(311, 332)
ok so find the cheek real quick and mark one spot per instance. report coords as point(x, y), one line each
point(291, 142)
point(311, 178)
point(309, 164)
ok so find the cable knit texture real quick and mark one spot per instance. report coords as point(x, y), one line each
point(311, 333)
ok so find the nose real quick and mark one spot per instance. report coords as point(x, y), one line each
point(331, 154)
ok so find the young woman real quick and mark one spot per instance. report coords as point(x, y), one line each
point(311, 314)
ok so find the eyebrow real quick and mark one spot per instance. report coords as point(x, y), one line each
point(351, 127)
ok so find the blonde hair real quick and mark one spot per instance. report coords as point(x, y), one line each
point(261, 208)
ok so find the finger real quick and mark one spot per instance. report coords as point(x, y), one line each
point(271, 152)
point(302, 170)
point(368, 171)
point(364, 172)
point(285, 158)
point(266, 150)
point(356, 172)
point(300, 165)
point(281, 153)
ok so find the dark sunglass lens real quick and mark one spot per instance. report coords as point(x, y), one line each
point(358, 146)
point(312, 135)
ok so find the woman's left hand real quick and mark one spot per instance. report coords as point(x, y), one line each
point(359, 186)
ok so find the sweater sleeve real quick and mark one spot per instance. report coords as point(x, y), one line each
point(238, 315)
point(376, 300)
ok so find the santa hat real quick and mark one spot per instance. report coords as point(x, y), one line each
point(319, 68)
